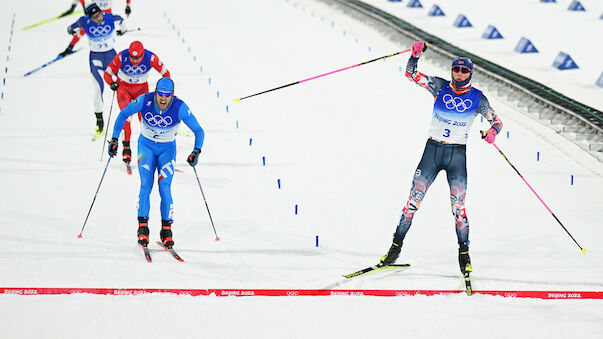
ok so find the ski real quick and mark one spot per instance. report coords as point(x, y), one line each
point(51, 19)
point(47, 64)
point(98, 135)
point(378, 267)
point(171, 250)
point(147, 253)
point(129, 168)
point(468, 284)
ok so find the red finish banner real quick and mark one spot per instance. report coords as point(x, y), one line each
point(294, 292)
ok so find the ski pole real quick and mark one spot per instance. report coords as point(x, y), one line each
point(108, 122)
point(322, 75)
point(94, 199)
point(210, 219)
point(545, 205)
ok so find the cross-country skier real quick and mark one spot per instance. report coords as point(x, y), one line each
point(105, 6)
point(100, 29)
point(161, 115)
point(456, 105)
point(127, 74)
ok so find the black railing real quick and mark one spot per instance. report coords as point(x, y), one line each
point(590, 114)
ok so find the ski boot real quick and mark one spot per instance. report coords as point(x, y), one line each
point(100, 124)
point(166, 233)
point(393, 253)
point(464, 260)
point(127, 152)
point(143, 231)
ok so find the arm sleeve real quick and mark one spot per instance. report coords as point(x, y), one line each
point(132, 108)
point(484, 109)
point(159, 66)
point(122, 23)
point(431, 83)
point(189, 119)
point(111, 71)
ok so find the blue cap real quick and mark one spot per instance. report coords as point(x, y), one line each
point(92, 9)
point(165, 85)
point(463, 62)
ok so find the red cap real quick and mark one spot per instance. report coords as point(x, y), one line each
point(136, 49)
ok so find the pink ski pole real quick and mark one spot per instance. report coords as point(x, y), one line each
point(322, 75)
point(545, 205)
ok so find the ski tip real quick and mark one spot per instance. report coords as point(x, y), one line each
point(584, 250)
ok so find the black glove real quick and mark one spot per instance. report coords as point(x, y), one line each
point(112, 147)
point(194, 157)
point(120, 32)
point(114, 85)
point(128, 10)
point(67, 51)
point(69, 11)
point(70, 31)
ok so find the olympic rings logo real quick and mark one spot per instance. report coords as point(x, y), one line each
point(100, 30)
point(157, 120)
point(457, 103)
point(141, 69)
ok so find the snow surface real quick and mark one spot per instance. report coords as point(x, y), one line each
point(344, 147)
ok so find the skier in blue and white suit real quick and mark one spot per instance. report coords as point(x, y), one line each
point(100, 29)
point(161, 115)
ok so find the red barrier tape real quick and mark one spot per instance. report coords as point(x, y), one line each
point(293, 292)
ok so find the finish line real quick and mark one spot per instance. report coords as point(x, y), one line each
point(557, 295)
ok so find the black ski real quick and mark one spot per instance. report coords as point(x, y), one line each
point(468, 284)
point(378, 267)
point(147, 254)
point(171, 250)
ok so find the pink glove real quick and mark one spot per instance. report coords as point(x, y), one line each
point(489, 136)
point(418, 48)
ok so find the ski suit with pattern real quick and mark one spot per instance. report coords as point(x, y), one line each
point(452, 117)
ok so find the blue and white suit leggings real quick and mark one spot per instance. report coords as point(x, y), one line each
point(99, 61)
point(160, 157)
point(436, 157)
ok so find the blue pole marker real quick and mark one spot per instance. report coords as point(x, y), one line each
point(218, 94)
point(537, 156)
point(226, 108)
point(237, 124)
point(572, 180)
point(209, 81)
point(201, 69)
point(263, 161)
point(278, 182)
point(250, 139)
point(316, 241)
point(295, 209)
point(507, 134)
point(194, 58)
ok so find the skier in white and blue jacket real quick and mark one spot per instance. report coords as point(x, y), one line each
point(101, 31)
point(161, 113)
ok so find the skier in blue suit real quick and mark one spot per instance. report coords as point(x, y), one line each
point(161, 115)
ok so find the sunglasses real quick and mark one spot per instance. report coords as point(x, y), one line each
point(135, 58)
point(164, 94)
point(463, 70)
